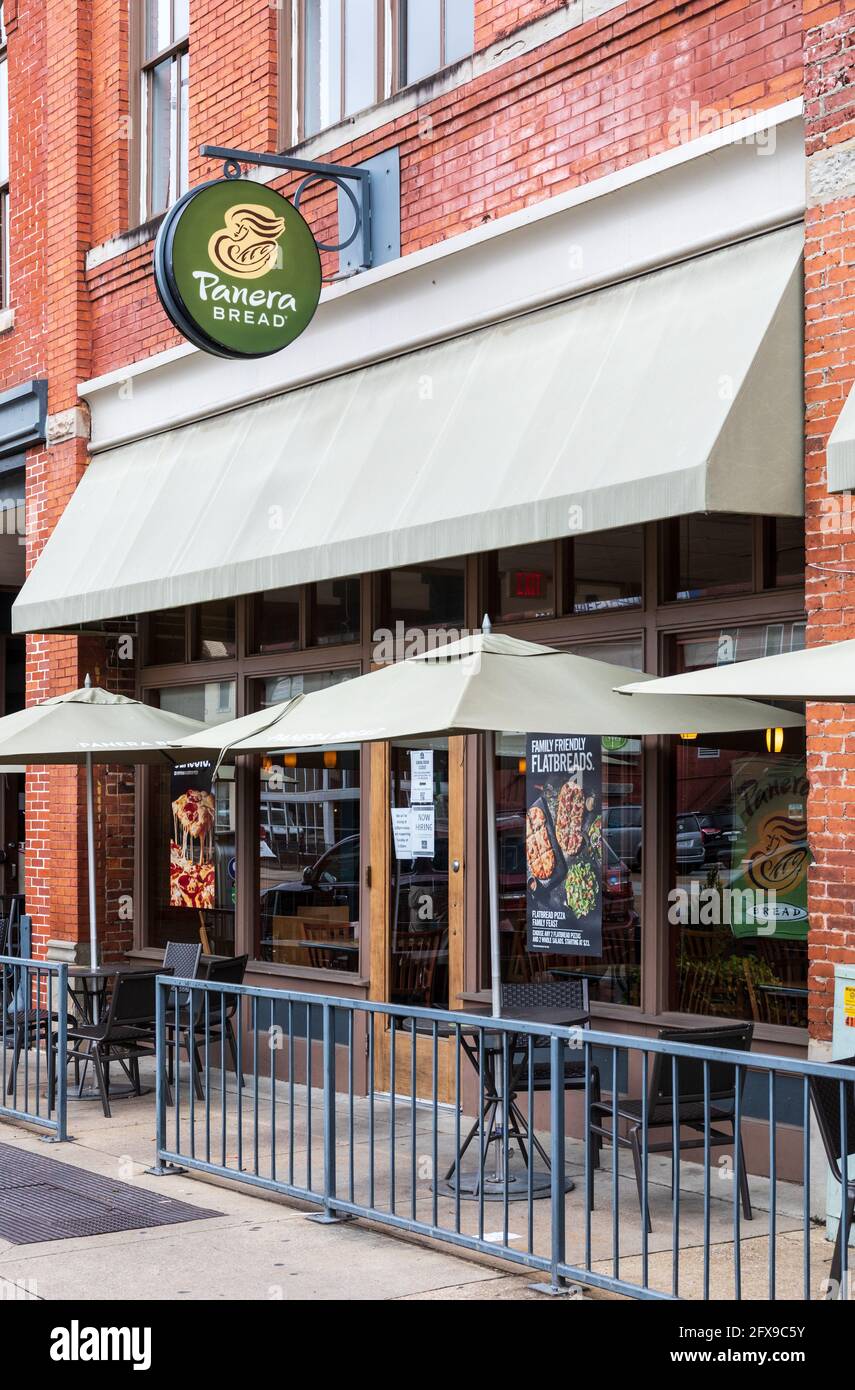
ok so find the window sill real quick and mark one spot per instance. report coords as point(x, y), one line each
point(130, 240)
point(7, 320)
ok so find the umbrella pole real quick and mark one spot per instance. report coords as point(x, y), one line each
point(90, 847)
point(493, 873)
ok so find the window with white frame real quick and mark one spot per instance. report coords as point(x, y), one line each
point(344, 56)
point(4, 166)
point(163, 46)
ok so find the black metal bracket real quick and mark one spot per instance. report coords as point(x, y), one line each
point(339, 174)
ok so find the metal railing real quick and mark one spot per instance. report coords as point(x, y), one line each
point(495, 1136)
point(33, 1033)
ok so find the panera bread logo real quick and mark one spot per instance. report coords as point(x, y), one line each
point(248, 245)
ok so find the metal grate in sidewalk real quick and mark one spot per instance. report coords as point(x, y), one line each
point(42, 1199)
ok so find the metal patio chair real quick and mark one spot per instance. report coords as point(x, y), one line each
point(195, 1026)
point(571, 994)
point(689, 1103)
point(24, 1024)
point(123, 1035)
point(825, 1097)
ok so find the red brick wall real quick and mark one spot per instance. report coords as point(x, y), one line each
point(611, 91)
point(605, 94)
point(830, 579)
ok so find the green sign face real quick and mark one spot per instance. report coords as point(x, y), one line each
point(237, 269)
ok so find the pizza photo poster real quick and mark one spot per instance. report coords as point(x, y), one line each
point(564, 844)
point(191, 850)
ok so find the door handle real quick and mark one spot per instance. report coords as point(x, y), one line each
point(455, 864)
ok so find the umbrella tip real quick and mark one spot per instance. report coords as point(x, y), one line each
point(486, 625)
point(87, 684)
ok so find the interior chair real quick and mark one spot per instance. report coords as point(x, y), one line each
point(825, 1097)
point(689, 1103)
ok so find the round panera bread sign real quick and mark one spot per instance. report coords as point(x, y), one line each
point(237, 269)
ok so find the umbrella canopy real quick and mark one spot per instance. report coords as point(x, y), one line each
point(816, 673)
point(484, 683)
point(91, 722)
point(91, 726)
point(487, 682)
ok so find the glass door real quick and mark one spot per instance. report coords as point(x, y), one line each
point(422, 909)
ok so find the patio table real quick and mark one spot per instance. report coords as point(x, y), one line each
point(500, 1183)
point(88, 987)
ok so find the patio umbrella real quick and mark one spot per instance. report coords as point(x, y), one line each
point(485, 683)
point(825, 673)
point(85, 727)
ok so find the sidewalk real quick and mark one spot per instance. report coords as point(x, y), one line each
point(265, 1248)
point(257, 1249)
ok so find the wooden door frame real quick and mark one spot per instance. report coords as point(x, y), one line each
point(380, 852)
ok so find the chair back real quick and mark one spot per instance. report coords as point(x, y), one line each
point(324, 957)
point(415, 956)
point(225, 972)
point(182, 958)
point(825, 1096)
point(737, 1037)
point(571, 993)
point(133, 1001)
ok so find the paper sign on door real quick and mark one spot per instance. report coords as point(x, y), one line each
point(422, 831)
point(402, 832)
point(421, 776)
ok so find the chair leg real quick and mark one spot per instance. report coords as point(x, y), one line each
point(596, 1139)
point(197, 1072)
point(230, 1034)
point(743, 1184)
point(100, 1075)
point(639, 1176)
point(837, 1257)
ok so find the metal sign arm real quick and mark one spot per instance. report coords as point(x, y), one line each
point(340, 174)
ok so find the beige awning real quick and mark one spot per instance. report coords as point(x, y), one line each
point(679, 391)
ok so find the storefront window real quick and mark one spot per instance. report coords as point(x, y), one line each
point(309, 845)
point(424, 596)
point(738, 905)
point(334, 612)
point(525, 582)
point(615, 976)
point(789, 552)
point(192, 865)
point(607, 570)
point(277, 620)
point(167, 636)
point(215, 630)
point(714, 556)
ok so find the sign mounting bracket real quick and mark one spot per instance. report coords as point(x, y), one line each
point(354, 182)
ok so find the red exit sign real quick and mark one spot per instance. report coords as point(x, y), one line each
point(528, 584)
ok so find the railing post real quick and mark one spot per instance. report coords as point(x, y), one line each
point(329, 1216)
point(161, 1169)
point(557, 1248)
point(59, 1060)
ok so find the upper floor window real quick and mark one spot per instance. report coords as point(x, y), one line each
point(351, 54)
point(163, 103)
point(4, 166)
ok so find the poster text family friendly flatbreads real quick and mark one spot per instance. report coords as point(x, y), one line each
point(564, 844)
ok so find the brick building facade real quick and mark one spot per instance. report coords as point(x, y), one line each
point(553, 99)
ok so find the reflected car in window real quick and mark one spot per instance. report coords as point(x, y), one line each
point(690, 851)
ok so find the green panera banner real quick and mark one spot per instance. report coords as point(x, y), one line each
point(237, 269)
